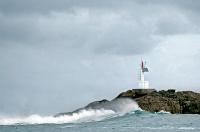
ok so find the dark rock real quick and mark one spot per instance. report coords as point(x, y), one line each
point(94, 105)
point(115, 105)
point(186, 102)
point(135, 93)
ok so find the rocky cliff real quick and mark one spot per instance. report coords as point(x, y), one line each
point(185, 102)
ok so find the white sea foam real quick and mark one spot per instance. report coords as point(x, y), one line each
point(119, 106)
point(83, 115)
point(125, 105)
point(163, 112)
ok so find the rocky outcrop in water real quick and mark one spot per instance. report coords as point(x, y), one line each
point(116, 105)
point(94, 105)
point(184, 102)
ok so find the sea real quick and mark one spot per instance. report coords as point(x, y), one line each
point(130, 119)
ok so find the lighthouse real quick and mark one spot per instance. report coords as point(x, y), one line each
point(143, 84)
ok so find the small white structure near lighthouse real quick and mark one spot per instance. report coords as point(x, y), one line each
point(142, 84)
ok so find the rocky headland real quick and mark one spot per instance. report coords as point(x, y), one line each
point(181, 102)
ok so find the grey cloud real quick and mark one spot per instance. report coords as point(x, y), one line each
point(176, 23)
point(46, 6)
point(126, 39)
point(54, 51)
point(95, 32)
point(155, 17)
point(18, 29)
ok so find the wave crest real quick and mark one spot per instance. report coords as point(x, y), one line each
point(119, 107)
point(83, 115)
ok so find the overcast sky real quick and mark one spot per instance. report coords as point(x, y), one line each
point(56, 56)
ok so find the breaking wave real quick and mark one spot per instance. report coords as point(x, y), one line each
point(85, 115)
point(163, 112)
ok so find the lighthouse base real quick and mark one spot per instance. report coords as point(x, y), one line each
point(144, 84)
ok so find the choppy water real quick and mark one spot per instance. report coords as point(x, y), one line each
point(131, 119)
point(131, 122)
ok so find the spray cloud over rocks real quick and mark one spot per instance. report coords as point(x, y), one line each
point(96, 111)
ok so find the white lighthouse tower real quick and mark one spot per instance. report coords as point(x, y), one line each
point(142, 83)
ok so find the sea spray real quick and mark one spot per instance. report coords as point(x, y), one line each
point(111, 109)
point(83, 115)
point(124, 105)
point(150, 122)
point(163, 112)
point(118, 105)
